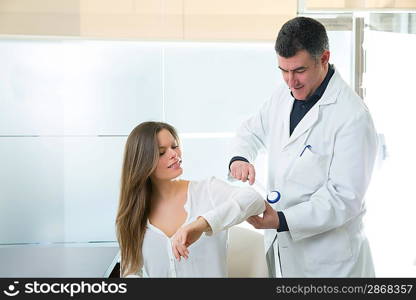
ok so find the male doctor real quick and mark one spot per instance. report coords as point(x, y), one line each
point(321, 145)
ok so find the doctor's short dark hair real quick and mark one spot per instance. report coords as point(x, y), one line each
point(301, 33)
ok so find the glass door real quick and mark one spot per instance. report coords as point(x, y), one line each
point(388, 83)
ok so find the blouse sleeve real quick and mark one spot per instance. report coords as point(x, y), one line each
point(231, 205)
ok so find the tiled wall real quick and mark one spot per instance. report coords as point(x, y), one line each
point(148, 19)
point(359, 4)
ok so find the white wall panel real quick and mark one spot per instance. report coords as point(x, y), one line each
point(92, 177)
point(30, 85)
point(340, 46)
point(212, 87)
point(31, 190)
point(111, 86)
point(203, 158)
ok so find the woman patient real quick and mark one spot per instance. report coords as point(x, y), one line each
point(161, 220)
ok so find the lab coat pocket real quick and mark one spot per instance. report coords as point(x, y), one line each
point(309, 170)
point(330, 247)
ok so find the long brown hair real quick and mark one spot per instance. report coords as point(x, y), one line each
point(141, 155)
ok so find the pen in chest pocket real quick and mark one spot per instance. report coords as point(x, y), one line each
point(306, 147)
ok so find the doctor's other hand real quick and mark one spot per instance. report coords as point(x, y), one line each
point(187, 235)
point(243, 171)
point(270, 220)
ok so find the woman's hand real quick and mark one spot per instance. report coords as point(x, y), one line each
point(187, 235)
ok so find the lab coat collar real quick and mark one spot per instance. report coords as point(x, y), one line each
point(329, 97)
point(332, 90)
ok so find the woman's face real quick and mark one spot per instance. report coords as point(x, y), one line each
point(169, 164)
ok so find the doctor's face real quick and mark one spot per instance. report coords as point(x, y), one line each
point(303, 73)
point(169, 163)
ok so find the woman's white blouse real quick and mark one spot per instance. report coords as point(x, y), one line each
point(223, 206)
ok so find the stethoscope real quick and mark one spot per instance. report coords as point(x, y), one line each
point(273, 197)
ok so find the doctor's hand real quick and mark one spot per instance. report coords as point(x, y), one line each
point(270, 220)
point(243, 171)
point(187, 235)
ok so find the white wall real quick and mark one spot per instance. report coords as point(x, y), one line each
point(67, 106)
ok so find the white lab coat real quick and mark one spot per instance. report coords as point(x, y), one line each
point(322, 191)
